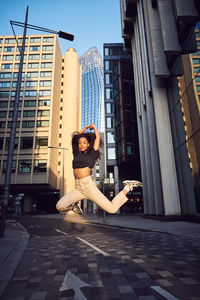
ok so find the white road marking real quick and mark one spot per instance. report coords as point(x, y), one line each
point(94, 247)
point(73, 282)
point(61, 231)
point(164, 293)
point(87, 243)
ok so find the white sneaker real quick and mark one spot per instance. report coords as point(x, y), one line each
point(132, 184)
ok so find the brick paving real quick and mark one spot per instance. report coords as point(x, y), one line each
point(137, 261)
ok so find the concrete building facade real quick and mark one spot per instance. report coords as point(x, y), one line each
point(157, 33)
point(189, 97)
point(46, 110)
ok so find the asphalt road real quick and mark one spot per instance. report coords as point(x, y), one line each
point(80, 261)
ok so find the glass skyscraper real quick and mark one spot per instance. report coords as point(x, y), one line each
point(92, 89)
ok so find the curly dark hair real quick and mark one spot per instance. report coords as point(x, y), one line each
point(90, 136)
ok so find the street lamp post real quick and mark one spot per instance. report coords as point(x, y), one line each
point(15, 113)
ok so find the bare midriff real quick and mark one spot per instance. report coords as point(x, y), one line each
point(82, 172)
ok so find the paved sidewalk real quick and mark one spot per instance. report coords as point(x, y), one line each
point(12, 247)
point(16, 238)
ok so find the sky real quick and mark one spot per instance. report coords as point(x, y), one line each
point(92, 22)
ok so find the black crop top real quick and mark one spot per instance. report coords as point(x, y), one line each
point(84, 159)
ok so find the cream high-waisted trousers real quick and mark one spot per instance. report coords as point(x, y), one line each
point(86, 188)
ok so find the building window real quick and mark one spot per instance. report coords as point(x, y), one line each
point(47, 56)
point(17, 57)
point(26, 143)
point(15, 144)
point(9, 41)
point(110, 137)
point(13, 93)
point(42, 113)
point(31, 93)
point(196, 61)
point(8, 57)
point(32, 74)
point(44, 103)
point(24, 166)
point(28, 124)
point(45, 83)
point(10, 115)
point(109, 93)
point(34, 48)
point(107, 65)
point(12, 104)
point(13, 167)
point(3, 103)
point(30, 103)
point(17, 66)
point(2, 124)
point(44, 93)
point(5, 75)
point(6, 66)
point(111, 153)
point(48, 39)
point(9, 49)
point(35, 40)
point(4, 94)
point(46, 65)
point(44, 123)
point(15, 75)
point(46, 74)
point(109, 108)
point(29, 113)
point(34, 56)
point(31, 83)
point(4, 84)
point(40, 165)
point(47, 48)
point(198, 88)
point(197, 78)
point(10, 124)
point(109, 122)
point(108, 79)
point(106, 51)
point(41, 142)
point(1, 143)
point(33, 65)
point(14, 84)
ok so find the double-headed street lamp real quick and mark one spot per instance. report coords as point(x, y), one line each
point(6, 188)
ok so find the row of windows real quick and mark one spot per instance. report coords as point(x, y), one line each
point(43, 65)
point(6, 75)
point(25, 166)
point(26, 124)
point(27, 103)
point(29, 93)
point(30, 57)
point(26, 143)
point(32, 40)
point(26, 113)
point(7, 84)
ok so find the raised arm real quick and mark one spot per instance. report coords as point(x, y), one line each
point(98, 136)
point(84, 129)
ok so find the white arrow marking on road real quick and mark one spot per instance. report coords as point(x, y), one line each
point(73, 282)
point(164, 293)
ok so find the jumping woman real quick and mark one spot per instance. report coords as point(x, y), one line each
point(85, 146)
